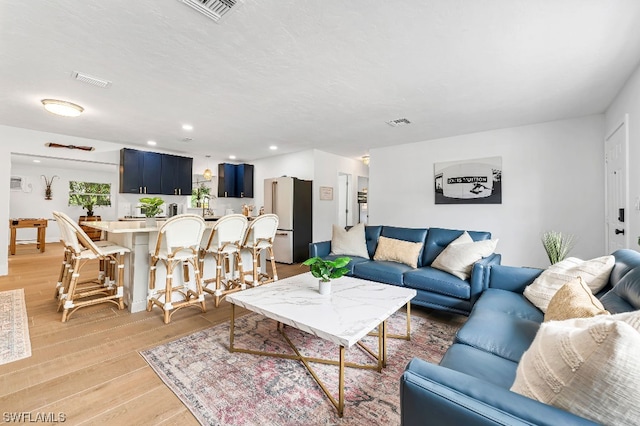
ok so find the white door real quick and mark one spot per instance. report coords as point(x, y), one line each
point(344, 200)
point(616, 189)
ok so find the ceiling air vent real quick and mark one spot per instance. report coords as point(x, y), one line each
point(398, 122)
point(90, 80)
point(217, 10)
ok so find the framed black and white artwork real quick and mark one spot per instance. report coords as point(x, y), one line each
point(477, 181)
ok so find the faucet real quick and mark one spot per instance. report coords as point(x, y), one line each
point(203, 207)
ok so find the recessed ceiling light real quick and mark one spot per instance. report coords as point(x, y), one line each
point(63, 108)
point(36, 161)
point(188, 127)
point(273, 147)
point(232, 157)
point(151, 143)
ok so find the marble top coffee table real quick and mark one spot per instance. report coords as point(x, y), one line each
point(354, 309)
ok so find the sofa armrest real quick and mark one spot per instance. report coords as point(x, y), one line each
point(320, 249)
point(440, 396)
point(512, 278)
point(479, 280)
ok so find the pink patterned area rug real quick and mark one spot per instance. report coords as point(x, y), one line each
point(14, 327)
point(223, 388)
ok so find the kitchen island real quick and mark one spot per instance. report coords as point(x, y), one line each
point(138, 237)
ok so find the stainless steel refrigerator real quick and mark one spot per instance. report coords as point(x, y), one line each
point(291, 199)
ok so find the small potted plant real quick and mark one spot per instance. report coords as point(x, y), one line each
point(557, 245)
point(150, 206)
point(326, 270)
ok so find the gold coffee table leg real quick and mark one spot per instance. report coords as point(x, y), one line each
point(341, 384)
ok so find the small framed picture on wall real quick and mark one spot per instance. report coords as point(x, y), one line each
point(326, 193)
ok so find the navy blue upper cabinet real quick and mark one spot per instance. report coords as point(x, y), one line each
point(235, 180)
point(144, 172)
point(244, 180)
point(175, 178)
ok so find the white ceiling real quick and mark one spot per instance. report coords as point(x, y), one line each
point(303, 74)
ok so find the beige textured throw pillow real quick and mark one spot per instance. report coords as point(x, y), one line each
point(398, 251)
point(458, 257)
point(574, 300)
point(349, 243)
point(588, 366)
point(594, 272)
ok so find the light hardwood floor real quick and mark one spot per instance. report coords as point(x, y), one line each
point(89, 367)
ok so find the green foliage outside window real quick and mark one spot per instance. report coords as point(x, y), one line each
point(89, 195)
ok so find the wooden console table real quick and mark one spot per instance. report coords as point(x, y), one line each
point(39, 224)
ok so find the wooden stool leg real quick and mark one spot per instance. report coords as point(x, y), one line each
point(273, 264)
point(152, 281)
point(196, 272)
point(120, 283)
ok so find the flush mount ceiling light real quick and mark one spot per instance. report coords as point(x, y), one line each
point(63, 108)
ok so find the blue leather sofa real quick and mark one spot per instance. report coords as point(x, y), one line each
point(436, 289)
point(471, 384)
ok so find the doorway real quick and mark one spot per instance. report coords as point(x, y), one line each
point(344, 200)
point(617, 187)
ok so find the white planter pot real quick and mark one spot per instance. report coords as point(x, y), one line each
point(324, 287)
point(150, 222)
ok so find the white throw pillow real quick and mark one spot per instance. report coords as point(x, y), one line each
point(594, 272)
point(349, 243)
point(588, 366)
point(460, 255)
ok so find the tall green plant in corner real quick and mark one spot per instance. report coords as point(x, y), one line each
point(557, 245)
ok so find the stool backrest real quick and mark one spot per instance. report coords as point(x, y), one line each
point(262, 228)
point(228, 229)
point(183, 231)
point(77, 238)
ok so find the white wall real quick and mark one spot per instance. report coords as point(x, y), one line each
point(553, 179)
point(33, 204)
point(327, 167)
point(320, 167)
point(628, 102)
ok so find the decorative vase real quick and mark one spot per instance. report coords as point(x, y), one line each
point(150, 222)
point(324, 287)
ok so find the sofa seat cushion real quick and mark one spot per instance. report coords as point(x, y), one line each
point(480, 364)
point(437, 281)
point(499, 333)
point(354, 261)
point(381, 271)
point(508, 302)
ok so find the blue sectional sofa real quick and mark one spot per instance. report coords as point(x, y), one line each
point(436, 289)
point(471, 384)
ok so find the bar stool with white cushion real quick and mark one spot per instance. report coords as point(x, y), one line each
point(223, 245)
point(178, 244)
point(259, 241)
point(107, 287)
point(66, 260)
